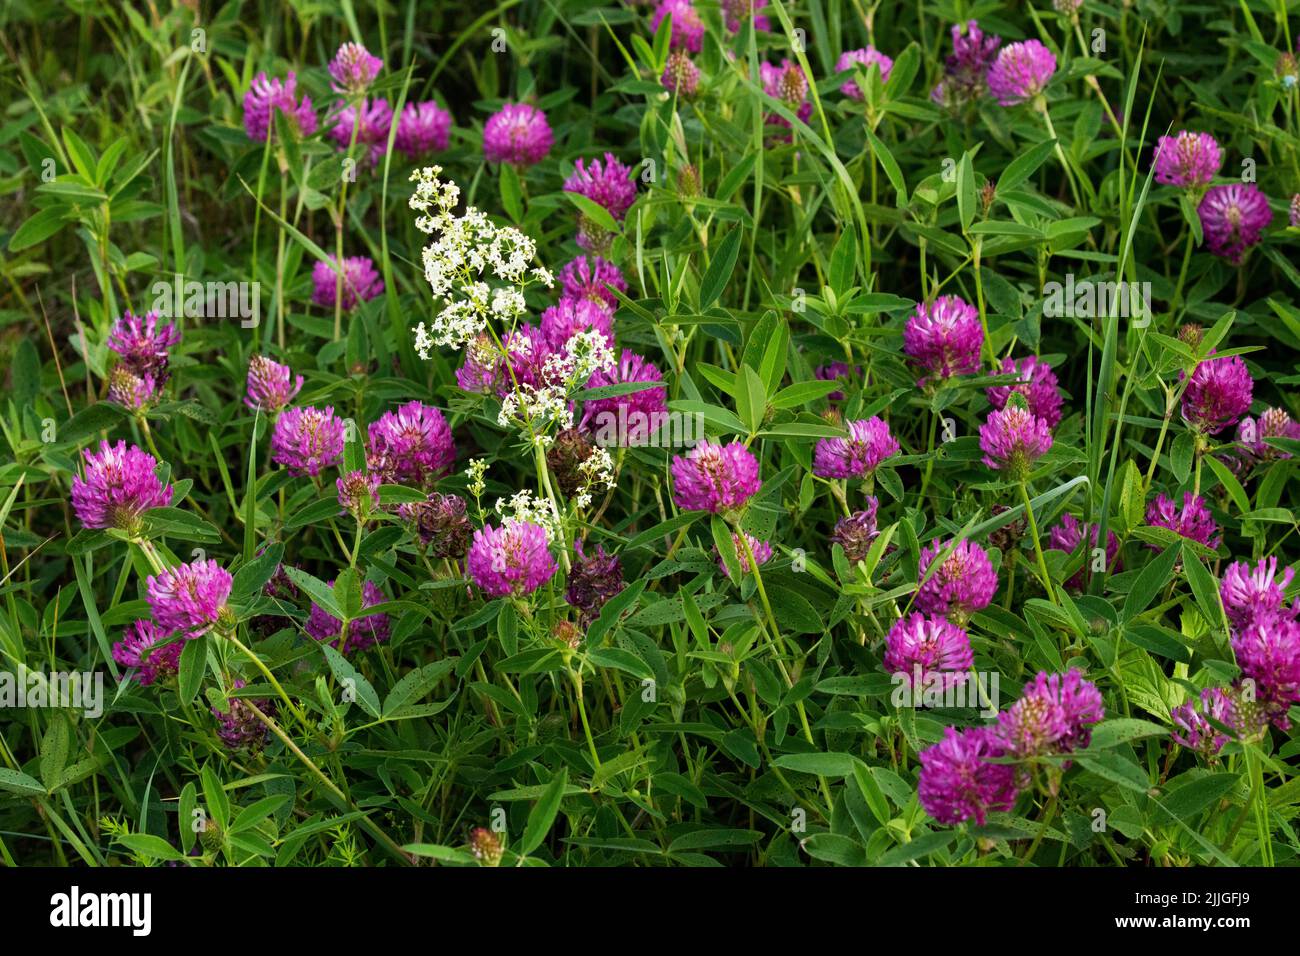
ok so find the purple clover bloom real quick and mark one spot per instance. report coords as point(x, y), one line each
point(358, 493)
point(636, 415)
point(1250, 592)
point(1194, 731)
point(120, 484)
point(836, 372)
point(738, 12)
point(1012, 439)
point(966, 69)
point(190, 598)
point(1036, 381)
point(1055, 714)
point(1233, 218)
point(271, 386)
point(440, 523)
point(1188, 160)
point(353, 69)
point(944, 338)
point(411, 446)
point(1268, 653)
point(688, 26)
point(607, 183)
point(1218, 394)
point(926, 649)
point(761, 549)
point(964, 583)
point(361, 282)
point(789, 84)
point(1067, 535)
point(594, 579)
point(869, 443)
point(716, 478)
point(376, 120)
point(1252, 432)
point(307, 440)
point(133, 392)
point(855, 533)
point(514, 559)
point(140, 649)
point(238, 727)
point(1193, 521)
point(267, 95)
point(681, 75)
point(959, 781)
point(422, 128)
point(591, 277)
point(143, 346)
point(1020, 72)
point(568, 317)
point(517, 134)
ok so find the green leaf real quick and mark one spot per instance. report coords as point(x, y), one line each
point(1024, 166)
point(544, 812)
point(511, 193)
point(751, 399)
point(17, 782)
point(1204, 586)
point(1154, 576)
point(726, 545)
point(193, 664)
point(593, 211)
point(890, 166)
point(320, 592)
point(1186, 801)
point(823, 765)
point(718, 274)
point(38, 228)
point(416, 684)
point(1120, 730)
point(54, 751)
point(352, 680)
point(146, 844)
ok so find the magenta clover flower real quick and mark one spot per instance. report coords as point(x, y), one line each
point(307, 440)
point(119, 485)
point(716, 478)
point(963, 583)
point(190, 598)
point(517, 134)
point(869, 443)
point(514, 559)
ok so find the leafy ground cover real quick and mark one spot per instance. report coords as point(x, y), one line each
point(804, 433)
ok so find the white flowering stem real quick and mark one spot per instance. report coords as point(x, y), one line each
point(1038, 546)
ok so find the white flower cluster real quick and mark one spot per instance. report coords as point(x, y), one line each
point(476, 471)
point(586, 352)
point(537, 409)
point(465, 248)
point(524, 506)
point(597, 470)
